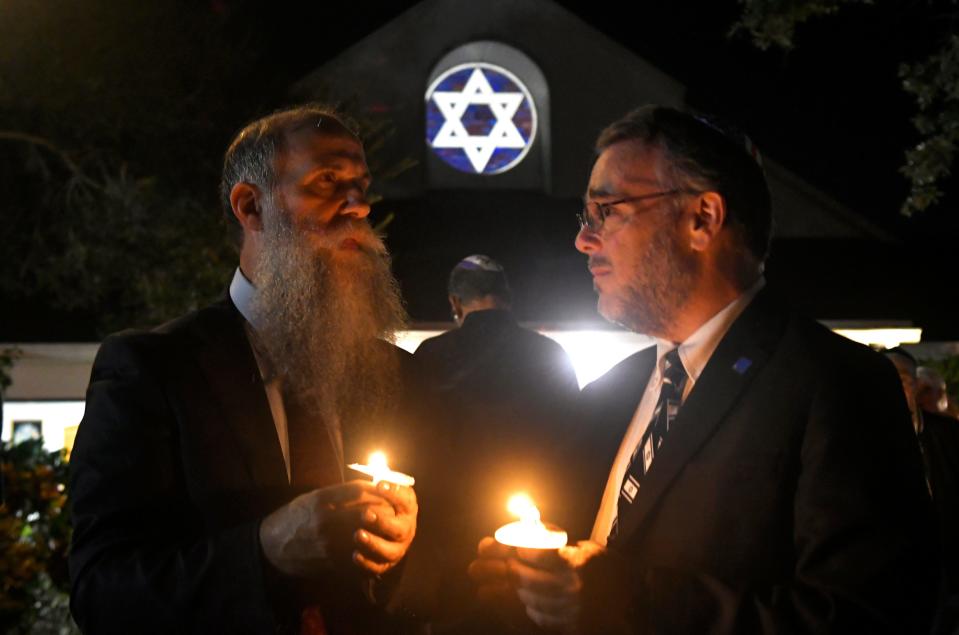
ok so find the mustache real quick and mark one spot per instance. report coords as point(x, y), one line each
point(597, 261)
point(349, 228)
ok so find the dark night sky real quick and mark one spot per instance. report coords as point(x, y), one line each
point(832, 110)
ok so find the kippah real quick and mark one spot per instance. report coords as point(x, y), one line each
point(734, 135)
point(479, 262)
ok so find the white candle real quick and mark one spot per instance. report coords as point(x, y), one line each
point(379, 470)
point(529, 531)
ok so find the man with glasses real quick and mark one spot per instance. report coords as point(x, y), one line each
point(751, 472)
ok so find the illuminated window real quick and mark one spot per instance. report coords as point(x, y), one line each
point(55, 421)
point(480, 118)
point(486, 115)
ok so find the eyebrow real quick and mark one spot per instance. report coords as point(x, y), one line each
point(601, 192)
point(335, 160)
point(596, 193)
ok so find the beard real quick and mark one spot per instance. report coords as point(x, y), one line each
point(321, 313)
point(659, 287)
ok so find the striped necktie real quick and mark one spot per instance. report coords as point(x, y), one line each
point(667, 406)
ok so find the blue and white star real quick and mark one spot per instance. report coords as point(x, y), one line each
point(476, 93)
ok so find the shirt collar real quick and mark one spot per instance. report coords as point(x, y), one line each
point(242, 292)
point(696, 349)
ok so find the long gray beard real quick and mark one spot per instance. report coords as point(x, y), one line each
point(320, 321)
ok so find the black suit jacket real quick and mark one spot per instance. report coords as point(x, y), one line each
point(176, 462)
point(509, 393)
point(787, 498)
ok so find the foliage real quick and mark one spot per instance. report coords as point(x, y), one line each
point(110, 207)
point(114, 123)
point(933, 82)
point(773, 22)
point(34, 534)
point(102, 239)
point(935, 85)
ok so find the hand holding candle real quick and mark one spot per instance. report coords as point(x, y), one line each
point(530, 574)
point(388, 530)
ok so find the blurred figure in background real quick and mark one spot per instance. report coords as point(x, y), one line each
point(509, 393)
point(931, 391)
point(939, 440)
point(907, 367)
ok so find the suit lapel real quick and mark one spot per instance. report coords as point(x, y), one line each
point(228, 365)
point(736, 361)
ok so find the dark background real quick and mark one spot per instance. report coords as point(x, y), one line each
point(169, 83)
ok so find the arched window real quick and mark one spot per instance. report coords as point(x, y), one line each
point(487, 120)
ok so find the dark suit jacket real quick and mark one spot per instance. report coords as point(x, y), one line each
point(509, 393)
point(176, 462)
point(787, 498)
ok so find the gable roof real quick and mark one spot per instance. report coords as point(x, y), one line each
point(592, 80)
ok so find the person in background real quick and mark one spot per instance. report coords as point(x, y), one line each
point(907, 367)
point(931, 391)
point(938, 437)
point(509, 393)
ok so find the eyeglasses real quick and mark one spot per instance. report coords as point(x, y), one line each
point(594, 215)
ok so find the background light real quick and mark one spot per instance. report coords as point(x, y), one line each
point(885, 338)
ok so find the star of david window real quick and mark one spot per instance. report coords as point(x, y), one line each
point(486, 119)
point(480, 118)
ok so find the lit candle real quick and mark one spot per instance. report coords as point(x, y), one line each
point(379, 470)
point(529, 531)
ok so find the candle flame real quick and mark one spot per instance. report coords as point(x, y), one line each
point(529, 531)
point(522, 505)
point(378, 466)
point(377, 460)
point(378, 469)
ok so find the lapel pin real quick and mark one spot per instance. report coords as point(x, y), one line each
point(742, 365)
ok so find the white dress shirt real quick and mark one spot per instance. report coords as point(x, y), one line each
point(694, 354)
point(242, 292)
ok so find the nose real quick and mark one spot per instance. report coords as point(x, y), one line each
point(587, 241)
point(356, 203)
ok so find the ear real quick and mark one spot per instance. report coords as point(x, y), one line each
point(708, 219)
point(245, 201)
point(456, 308)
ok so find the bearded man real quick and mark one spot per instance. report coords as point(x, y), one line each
point(207, 480)
point(751, 472)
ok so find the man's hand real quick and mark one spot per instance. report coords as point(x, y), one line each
point(490, 573)
point(318, 530)
point(547, 583)
point(388, 529)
